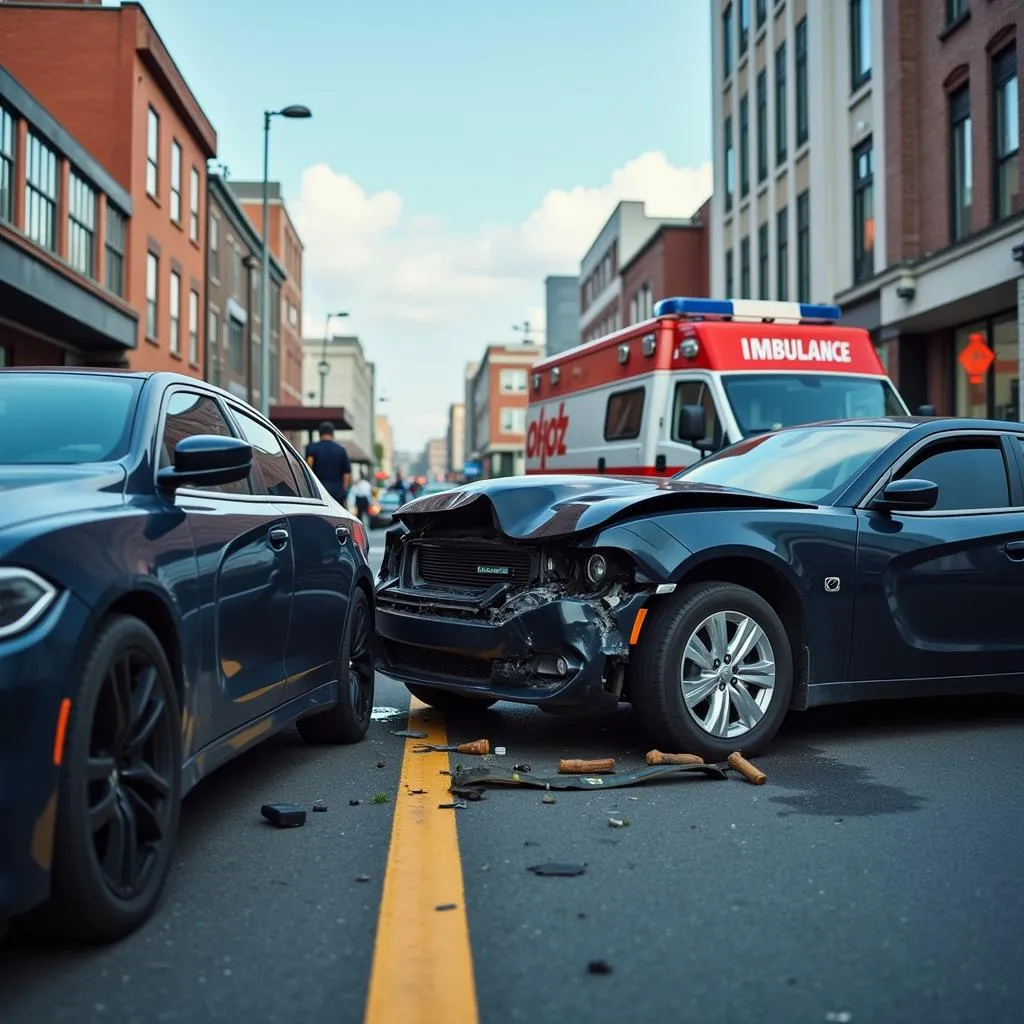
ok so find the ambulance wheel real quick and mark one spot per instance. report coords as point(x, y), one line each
point(445, 700)
point(713, 672)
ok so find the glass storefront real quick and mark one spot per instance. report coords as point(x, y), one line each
point(996, 395)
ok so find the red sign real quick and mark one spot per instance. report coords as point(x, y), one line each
point(546, 436)
point(976, 358)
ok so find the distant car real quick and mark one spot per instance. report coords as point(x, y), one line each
point(175, 587)
point(814, 565)
point(382, 511)
point(435, 487)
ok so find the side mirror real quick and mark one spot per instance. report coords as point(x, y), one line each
point(907, 496)
point(926, 410)
point(207, 460)
point(692, 424)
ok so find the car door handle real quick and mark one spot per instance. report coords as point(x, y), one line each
point(1015, 549)
point(342, 533)
point(278, 538)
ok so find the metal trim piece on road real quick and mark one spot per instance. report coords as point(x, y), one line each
point(422, 959)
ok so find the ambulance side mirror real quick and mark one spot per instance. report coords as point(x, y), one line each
point(692, 424)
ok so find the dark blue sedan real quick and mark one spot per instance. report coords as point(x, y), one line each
point(175, 586)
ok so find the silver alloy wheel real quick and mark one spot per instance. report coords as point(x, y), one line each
point(728, 674)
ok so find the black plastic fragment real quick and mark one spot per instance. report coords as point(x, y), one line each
point(599, 967)
point(284, 815)
point(495, 775)
point(411, 734)
point(558, 870)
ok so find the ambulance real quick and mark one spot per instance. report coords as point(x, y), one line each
point(628, 404)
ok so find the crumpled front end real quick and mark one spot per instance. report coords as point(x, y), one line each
point(486, 616)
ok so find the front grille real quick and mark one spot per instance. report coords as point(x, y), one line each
point(416, 660)
point(472, 566)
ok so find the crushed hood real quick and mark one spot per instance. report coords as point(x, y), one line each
point(534, 507)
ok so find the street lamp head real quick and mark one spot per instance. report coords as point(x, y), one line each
point(323, 367)
point(296, 111)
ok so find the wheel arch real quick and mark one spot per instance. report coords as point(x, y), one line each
point(769, 579)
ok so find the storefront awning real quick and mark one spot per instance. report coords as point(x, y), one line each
point(355, 453)
point(309, 417)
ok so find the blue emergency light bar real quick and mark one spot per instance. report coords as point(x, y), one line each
point(749, 309)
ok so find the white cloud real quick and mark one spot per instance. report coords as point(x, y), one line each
point(425, 300)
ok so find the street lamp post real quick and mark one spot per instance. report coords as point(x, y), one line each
point(291, 112)
point(324, 367)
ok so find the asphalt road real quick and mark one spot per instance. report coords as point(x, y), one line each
point(875, 877)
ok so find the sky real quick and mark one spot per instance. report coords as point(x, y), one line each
point(459, 152)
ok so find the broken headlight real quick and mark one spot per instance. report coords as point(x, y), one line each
point(24, 598)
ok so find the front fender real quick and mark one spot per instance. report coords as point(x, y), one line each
point(657, 552)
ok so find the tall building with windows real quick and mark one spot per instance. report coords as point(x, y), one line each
point(799, 129)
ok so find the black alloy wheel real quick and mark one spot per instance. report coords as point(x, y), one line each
point(347, 720)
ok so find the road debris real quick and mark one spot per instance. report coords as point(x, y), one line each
point(746, 769)
point(522, 767)
point(382, 764)
point(446, 906)
point(383, 713)
point(354, 803)
point(319, 806)
point(736, 761)
point(380, 798)
point(657, 757)
point(619, 822)
point(417, 792)
point(599, 967)
point(480, 747)
point(842, 1016)
point(548, 798)
point(558, 870)
point(494, 775)
point(473, 794)
point(409, 734)
point(284, 815)
point(499, 751)
point(362, 878)
point(574, 766)
point(455, 805)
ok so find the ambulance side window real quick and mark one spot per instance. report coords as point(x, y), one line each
point(696, 392)
point(624, 415)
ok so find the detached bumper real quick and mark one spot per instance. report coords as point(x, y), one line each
point(37, 670)
point(557, 651)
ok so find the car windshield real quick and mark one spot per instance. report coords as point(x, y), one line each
point(807, 464)
point(771, 401)
point(65, 418)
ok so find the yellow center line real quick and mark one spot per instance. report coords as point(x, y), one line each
point(422, 960)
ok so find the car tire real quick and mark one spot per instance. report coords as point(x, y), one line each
point(125, 717)
point(657, 672)
point(446, 700)
point(347, 720)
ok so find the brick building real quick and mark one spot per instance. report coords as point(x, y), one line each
point(285, 244)
point(62, 296)
point(495, 412)
point(234, 257)
point(954, 216)
point(116, 90)
point(673, 261)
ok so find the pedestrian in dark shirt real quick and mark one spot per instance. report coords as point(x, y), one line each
point(331, 464)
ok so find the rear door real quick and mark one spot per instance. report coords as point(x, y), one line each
point(321, 544)
point(939, 593)
point(245, 575)
point(689, 389)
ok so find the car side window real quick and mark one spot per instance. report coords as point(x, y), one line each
point(697, 392)
point(187, 415)
point(969, 476)
point(301, 476)
point(269, 455)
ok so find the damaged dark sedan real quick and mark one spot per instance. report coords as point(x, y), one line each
point(819, 564)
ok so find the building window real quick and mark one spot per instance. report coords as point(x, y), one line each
point(781, 121)
point(513, 421)
point(762, 12)
point(193, 328)
point(152, 294)
point(175, 182)
point(1006, 151)
point(762, 262)
point(782, 255)
point(863, 213)
point(729, 282)
point(744, 25)
point(81, 225)
point(193, 206)
point(744, 146)
point(860, 43)
point(961, 179)
point(727, 41)
point(513, 382)
point(236, 345)
point(153, 153)
point(745, 268)
point(955, 9)
point(117, 230)
point(174, 301)
point(803, 246)
point(275, 374)
point(214, 241)
point(730, 165)
point(762, 125)
point(803, 124)
point(41, 194)
point(213, 355)
point(7, 137)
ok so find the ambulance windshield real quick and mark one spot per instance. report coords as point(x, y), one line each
point(762, 402)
